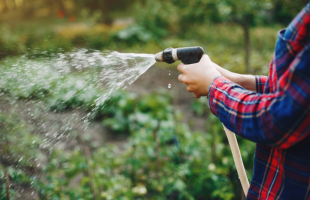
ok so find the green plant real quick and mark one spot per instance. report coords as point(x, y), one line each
point(73, 92)
point(158, 17)
point(10, 44)
point(24, 78)
point(134, 34)
point(18, 151)
point(15, 138)
point(163, 159)
point(200, 106)
point(214, 126)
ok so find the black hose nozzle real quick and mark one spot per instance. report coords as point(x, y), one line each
point(187, 55)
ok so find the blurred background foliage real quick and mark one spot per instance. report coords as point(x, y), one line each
point(247, 27)
point(163, 158)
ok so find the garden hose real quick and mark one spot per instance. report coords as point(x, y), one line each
point(190, 55)
point(232, 140)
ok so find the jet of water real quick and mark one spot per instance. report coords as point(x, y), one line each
point(108, 71)
point(121, 69)
point(64, 75)
point(117, 70)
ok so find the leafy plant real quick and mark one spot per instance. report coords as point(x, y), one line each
point(15, 138)
point(163, 159)
point(158, 17)
point(18, 150)
point(134, 34)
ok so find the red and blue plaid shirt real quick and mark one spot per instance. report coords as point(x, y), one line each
point(276, 116)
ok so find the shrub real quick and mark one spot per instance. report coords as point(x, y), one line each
point(10, 44)
point(134, 34)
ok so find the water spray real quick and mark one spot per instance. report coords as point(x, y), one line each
point(191, 55)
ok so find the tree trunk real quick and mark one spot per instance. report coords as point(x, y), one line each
point(14, 3)
point(106, 13)
point(247, 47)
point(28, 9)
point(61, 5)
point(5, 9)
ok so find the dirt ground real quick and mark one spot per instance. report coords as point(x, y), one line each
point(52, 125)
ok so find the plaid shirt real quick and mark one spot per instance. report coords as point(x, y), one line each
point(276, 116)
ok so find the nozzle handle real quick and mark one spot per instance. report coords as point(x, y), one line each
point(190, 55)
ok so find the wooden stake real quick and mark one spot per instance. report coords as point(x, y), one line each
point(7, 185)
point(90, 171)
point(238, 160)
point(86, 152)
point(157, 149)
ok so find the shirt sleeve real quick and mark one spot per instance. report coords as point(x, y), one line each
point(260, 83)
point(280, 119)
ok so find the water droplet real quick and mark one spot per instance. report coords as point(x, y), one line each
point(169, 85)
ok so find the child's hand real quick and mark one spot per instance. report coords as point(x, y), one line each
point(198, 76)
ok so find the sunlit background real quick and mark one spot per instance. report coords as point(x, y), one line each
point(150, 141)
